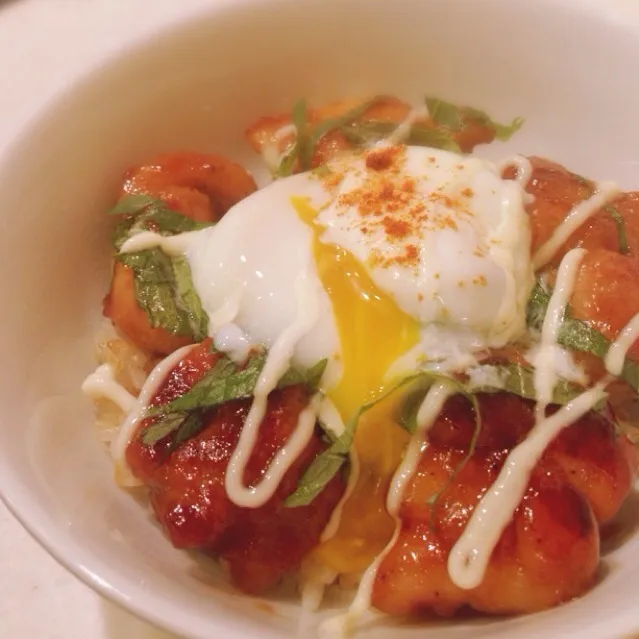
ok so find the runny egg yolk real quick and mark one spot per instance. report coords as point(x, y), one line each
point(373, 333)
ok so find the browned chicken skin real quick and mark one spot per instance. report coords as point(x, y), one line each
point(548, 554)
point(383, 109)
point(187, 490)
point(200, 186)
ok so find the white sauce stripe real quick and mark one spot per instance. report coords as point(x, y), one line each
point(402, 132)
point(616, 355)
point(138, 411)
point(271, 149)
point(257, 496)
point(277, 363)
point(578, 216)
point(428, 412)
point(469, 557)
point(431, 407)
point(331, 419)
point(545, 374)
point(233, 341)
point(342, 626)
point(353, 477)
point(523, 167)
point(314, 586)
point(102, 383)
point(172, 245)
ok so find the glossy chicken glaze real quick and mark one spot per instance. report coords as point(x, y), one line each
point(187, 493)
point(550, 551)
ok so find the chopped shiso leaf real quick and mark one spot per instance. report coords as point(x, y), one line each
point(224, 382)
point(575, 334)
point(509, 378)
point(163, 284)
point(448, 119)
point(624, 247)
point(454, 118)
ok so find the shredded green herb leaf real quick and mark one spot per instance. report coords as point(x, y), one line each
point(322, 469)
point(193, 423)
point(223, 383)
point(410, 409)
point(503, 132)
point(327, 464)
point(182, 426)
point(187, 299)
point(336, 124)
point(302, 148)
point(518, 380)
point(144, 213)
point(575, 334)
point(510, 378)
point(163, 284)
point(155, 287)
point(365, 133)
point(472, 445)
point(407, 417)
point(445, 114)
point(310, 378)
point(133, 204)
point(161, 429)
point(447, 117)
point(624, 247)
point(453, 117)
point(307, 137)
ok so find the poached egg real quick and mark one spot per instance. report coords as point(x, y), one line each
point(412, 256)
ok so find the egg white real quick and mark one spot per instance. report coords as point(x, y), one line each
point(245, 268)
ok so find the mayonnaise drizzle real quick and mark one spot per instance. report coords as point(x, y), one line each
point(579, 215)
point(469, 557)
point(522, 165)
point(277, 363)
point(353, 477)
point(402, 132)
point(315, 583)
point(428, 412)
point(545, 374)
point(172, 245)
point(176, 245)
point(431, 407)
point(331, 419)
point(270, 150)
point(233, 341)
point(102, 383)
point(138, 410)
point(616, 355)
point(314, 586)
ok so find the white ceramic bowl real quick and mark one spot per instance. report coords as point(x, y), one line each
point(569, 67)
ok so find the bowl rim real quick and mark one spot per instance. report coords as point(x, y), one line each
point(90, 568)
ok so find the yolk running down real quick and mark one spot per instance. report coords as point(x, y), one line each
point(373, 332)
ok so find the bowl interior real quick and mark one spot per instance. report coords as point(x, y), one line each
point(566, 66)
